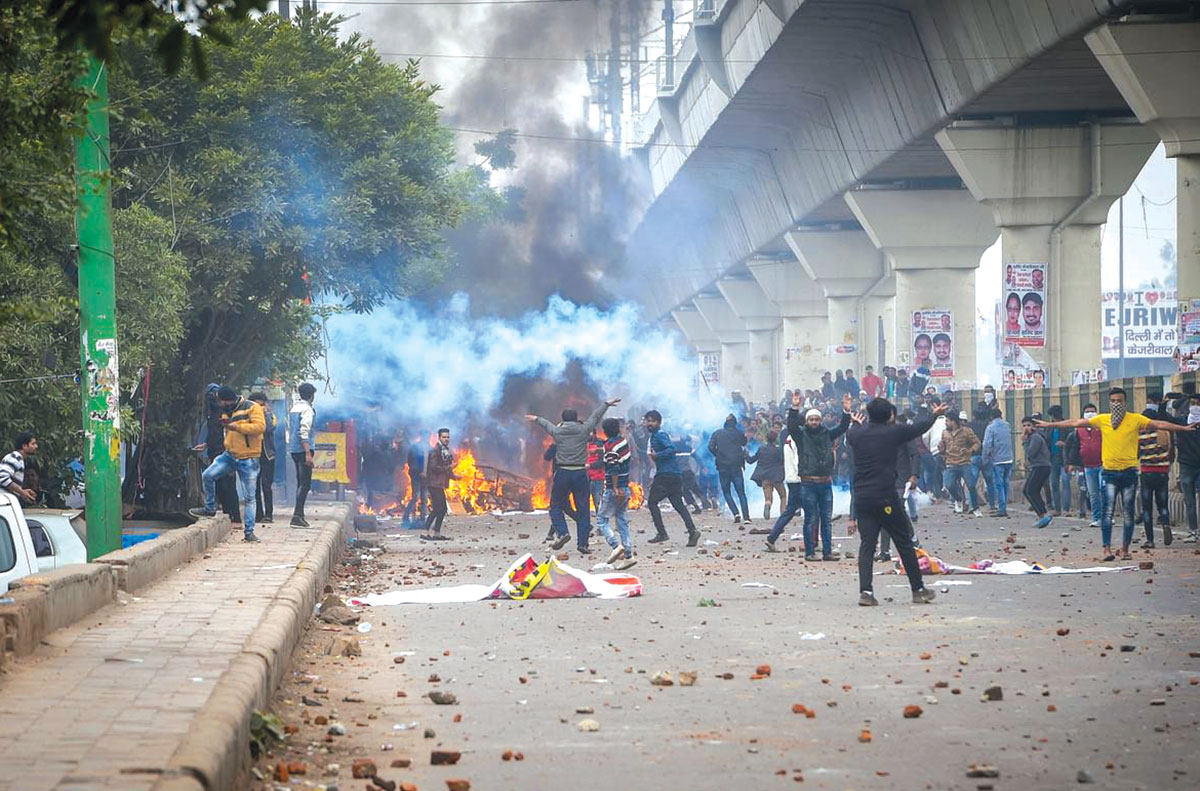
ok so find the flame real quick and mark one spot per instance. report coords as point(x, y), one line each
point(539, 498)
point(637, 496)
point(472, 488)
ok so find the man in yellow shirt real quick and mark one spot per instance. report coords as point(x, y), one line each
point(1119, 455)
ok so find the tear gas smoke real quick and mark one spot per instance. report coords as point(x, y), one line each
point(448, 367)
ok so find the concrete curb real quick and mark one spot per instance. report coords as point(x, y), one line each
point(147, 562)
point(216, 750)
point(45, 602)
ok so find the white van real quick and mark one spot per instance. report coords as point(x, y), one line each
point(18, 558)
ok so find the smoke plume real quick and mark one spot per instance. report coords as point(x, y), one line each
point(448, 367)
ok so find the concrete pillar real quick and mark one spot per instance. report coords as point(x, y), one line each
point(1155, 66)
point(845, 264)
point(735, 342)
point(1049, 190)
point(761, 318)
point(802, 339)
point(701, 340)
point(876, 308)
point(932, 240)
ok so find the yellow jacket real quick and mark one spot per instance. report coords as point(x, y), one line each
point(244, 431)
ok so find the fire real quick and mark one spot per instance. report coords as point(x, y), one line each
point(471, 487)
point(539, 498)
point(637, 496)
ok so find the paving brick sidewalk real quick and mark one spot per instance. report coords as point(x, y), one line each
point(116, 692)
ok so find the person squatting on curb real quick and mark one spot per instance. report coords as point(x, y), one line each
point(244, 424)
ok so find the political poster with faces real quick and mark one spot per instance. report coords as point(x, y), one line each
point(1187, 354)
point(933, 341)
point(1025, 304)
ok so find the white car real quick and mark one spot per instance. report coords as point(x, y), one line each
point(17, 555)
point(56, 537)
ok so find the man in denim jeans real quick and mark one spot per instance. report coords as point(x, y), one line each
point(997, 452)
point(1187, 447)
point(1084, 454)
point(1120, 431)
point(615, 499)
point(244, 423)
point(814, 455)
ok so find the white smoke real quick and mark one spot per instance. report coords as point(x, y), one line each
point(437, 367)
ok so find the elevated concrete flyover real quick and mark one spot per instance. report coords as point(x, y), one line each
point(783, 108)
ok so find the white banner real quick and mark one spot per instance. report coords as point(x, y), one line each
point(1151, 324)
point(710, 367)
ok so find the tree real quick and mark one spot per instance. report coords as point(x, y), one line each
point(305, 170)
point(97, 24)
point(305, 175)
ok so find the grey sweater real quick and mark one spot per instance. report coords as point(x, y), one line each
point(571, 439)
point(1037, 452)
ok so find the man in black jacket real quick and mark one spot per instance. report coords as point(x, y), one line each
point(876, 444)
point(814, 460)
point(728, 447)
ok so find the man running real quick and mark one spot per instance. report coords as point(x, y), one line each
point(876, 444)
point(668, 481)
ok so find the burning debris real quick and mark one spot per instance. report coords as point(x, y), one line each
point(483, 489)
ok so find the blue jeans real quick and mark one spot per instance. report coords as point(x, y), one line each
point(817, 499)
point(1095, 492)
point(1123, 484)
point(931, 482)
point(961, 475)
point(597, 493)
point(736, 480)
point(247, 484)
point(794, 504)
point(1060, 486)
point(989, 485)
point(568, 483)
point(1189, 482)
point(613, 507)
point(1000, 476)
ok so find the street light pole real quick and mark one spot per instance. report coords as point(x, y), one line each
point(99, 384)
point(1121, 285)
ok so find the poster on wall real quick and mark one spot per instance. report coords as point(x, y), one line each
point(1023, 378)
point(1187, 353)
point(1089, 376)
point(710, 368)
point(1151, 324)
point(933, 341)
point(1025, 304)
point(329, 457)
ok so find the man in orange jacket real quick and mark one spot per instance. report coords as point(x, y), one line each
point(244, 422)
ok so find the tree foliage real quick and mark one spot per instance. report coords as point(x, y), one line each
point(304, 171)
point(178, 27)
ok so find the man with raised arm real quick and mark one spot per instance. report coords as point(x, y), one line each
point(876, 442)
point(1119, 456)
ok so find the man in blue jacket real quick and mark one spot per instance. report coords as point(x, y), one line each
point(668, 481)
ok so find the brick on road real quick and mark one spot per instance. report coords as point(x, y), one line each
point(79, 715)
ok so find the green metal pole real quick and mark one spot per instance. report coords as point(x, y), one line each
point(98, 321)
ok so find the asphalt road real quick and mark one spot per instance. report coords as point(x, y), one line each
point(1099, 673)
